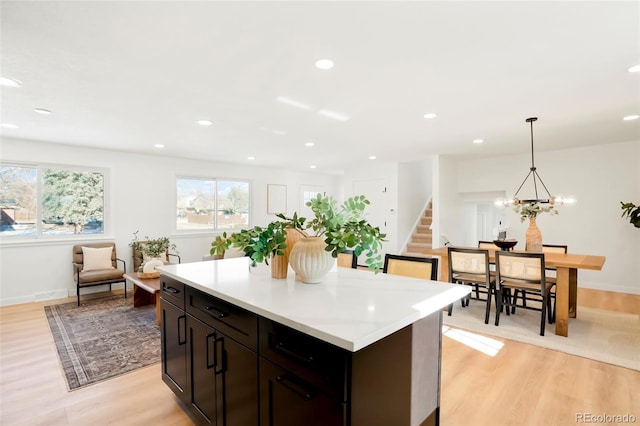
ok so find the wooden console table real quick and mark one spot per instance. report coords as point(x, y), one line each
point(146, 291)
point(566, 264)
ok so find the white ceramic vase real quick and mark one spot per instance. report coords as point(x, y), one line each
point(310, 261)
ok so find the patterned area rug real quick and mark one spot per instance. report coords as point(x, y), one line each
point(103, 338)
point(610, 337)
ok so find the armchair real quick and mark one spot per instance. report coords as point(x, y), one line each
point(97, 264)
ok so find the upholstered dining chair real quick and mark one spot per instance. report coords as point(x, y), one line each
point(525, 272)
point(471, 267)
point(347, 259)
point(97, 264)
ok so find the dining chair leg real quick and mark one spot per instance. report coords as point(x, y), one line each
point(450, 309)
point(543, 316)
point(486, 314)
point(499, 299)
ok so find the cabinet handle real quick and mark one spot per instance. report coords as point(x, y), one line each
point(308, 360)
point(216, 312)
point(222, 367)
point(183, 329)
point(296, 388)
point(170, 289)
point(208, 356)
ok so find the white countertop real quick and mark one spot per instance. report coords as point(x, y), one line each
point(350, 308)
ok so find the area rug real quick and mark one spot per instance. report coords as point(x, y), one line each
point(103, 338)
point(605, 336)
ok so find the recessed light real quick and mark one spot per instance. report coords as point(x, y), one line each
point(372, 157)
point(293, 102)
point(9, 126)
point(11, 82)
point(205, 122)
point(312, 166)
point(42, 111)
point(430, 115)
point(324, 64)
point(477, 141)
point(631, 117)
point(635, 68)
point(334, 115)
point(309, 144)
point(251, 158)
point(158, 145)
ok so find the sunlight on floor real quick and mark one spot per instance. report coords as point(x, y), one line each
point(484, 344)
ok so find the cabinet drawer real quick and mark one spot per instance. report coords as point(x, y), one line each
point(172, 291)
point(320, 363)
point(235, 322)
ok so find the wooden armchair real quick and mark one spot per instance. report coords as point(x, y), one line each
point(97, 264)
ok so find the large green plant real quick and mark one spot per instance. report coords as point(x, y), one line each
point(631, 211)
point(343, 227)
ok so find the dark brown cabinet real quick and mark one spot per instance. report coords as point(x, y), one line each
point(215, 377)
point(233, 367)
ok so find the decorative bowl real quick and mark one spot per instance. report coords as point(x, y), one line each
point(506, 244)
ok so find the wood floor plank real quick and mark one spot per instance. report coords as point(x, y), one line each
point(520, 385)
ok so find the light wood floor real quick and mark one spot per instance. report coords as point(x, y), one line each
point(521, 385)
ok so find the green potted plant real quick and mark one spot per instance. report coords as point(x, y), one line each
point(149, 249)
point(334, 229)
point(631, 211)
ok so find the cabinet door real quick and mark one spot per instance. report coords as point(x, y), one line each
point(237, 388)
point(201, 365)
point(288, 400)
point(174, 348)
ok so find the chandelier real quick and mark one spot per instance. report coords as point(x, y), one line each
point(535, 177)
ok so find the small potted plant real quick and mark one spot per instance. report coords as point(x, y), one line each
point(149, 253)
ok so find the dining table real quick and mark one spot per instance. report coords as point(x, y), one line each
point(566, 265)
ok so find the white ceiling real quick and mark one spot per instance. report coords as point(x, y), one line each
point(127, 75)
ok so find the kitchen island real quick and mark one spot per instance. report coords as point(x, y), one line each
point(241, 348)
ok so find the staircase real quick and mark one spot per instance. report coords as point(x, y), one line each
point(421, 237)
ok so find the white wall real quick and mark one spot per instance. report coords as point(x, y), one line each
point(142, 197)
point(598, 176)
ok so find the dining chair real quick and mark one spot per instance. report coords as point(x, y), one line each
point(550, 277)
point(471, 267)
point(412, 266)
point(347, 259)
point(522, 271)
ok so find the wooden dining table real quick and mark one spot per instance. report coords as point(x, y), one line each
point(566, 264)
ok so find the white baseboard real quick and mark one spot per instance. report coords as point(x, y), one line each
point(61, 293)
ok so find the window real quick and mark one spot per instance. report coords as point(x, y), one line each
point(45, 201)
point(211, 204)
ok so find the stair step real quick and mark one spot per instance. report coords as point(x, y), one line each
point(414, 254)
point(428, 212)
point(426, 221)
point(418, 247)
point(423, 229)
point(421, 238)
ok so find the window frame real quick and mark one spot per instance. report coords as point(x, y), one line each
point(40, 236)
point(215, 229)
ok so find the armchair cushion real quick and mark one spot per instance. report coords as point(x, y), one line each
point(95, 259)
point(100, 275)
